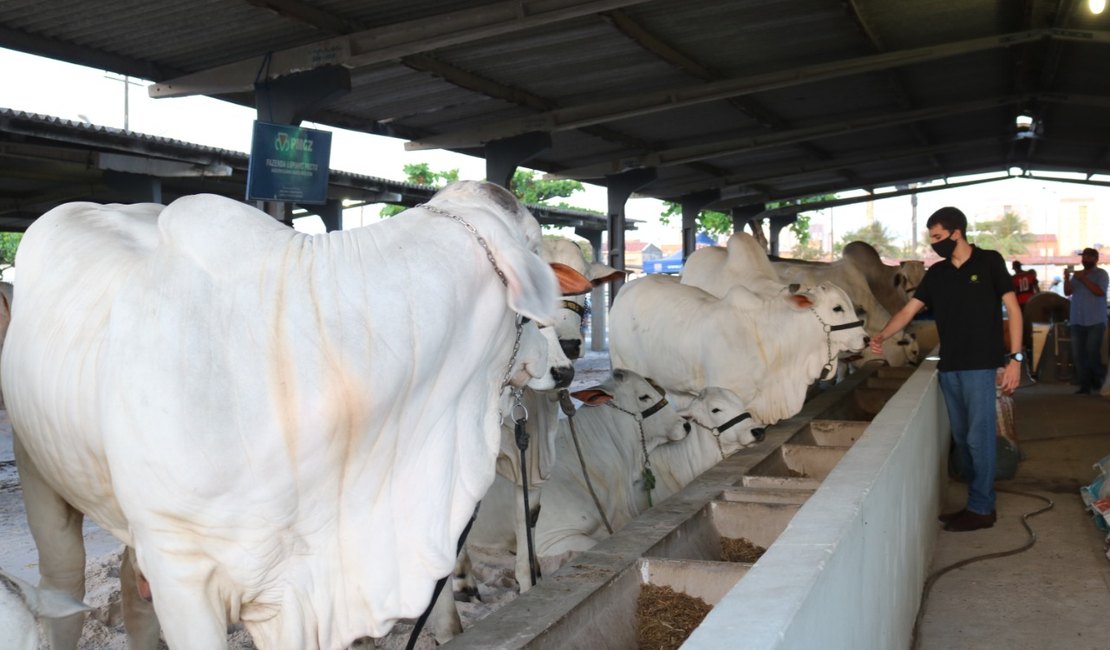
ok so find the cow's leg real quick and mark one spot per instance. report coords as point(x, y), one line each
point(56, 528)
point(445, 621)
point(189, 612)
point(138, 613)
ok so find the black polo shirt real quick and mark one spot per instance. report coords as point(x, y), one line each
point(967, 304)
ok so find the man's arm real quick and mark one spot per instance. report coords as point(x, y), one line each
point(1092, 286)
point(896, 323)
point(1011, 374)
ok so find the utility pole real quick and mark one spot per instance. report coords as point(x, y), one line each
point(127, 83)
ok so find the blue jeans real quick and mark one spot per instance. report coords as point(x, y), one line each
point(970, 398)
point(1086, 353)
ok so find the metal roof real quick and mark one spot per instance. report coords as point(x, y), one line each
point(45, 161)
point(757, 100)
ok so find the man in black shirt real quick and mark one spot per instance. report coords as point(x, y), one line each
point(965, 292)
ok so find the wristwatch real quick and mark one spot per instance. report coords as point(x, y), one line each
point(1017, 356)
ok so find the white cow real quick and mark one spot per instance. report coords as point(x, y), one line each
point(722, 426)
point(624, 405)
point(893, 286)
point(718, 269)
point(290, 431)
point(766, 349)
point(21, 604)
point(569, 321)
point(898, 350)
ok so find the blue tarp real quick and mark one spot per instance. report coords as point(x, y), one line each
point(673, 262)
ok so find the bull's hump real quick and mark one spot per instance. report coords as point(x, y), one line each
point(218, 232)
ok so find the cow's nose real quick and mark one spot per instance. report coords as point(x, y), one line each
point(686, 427)
point(571, 347)
point(562, 375)
point(759, 433)
point(867, 340)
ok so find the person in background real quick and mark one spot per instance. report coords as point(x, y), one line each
point(966, 291)
point(1025, 283)
point(1087, 288)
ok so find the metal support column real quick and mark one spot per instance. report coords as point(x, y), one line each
point(743, 215)
point(692, 205)
point(598, 303)
point(290, 98)
point(504, 156)
point(331, 213)
point(621, 186)
point(776, 226)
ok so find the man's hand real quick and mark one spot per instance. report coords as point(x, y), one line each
point(1010, 378)
point(877, 344)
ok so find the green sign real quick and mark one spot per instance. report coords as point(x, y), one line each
point(288, 163)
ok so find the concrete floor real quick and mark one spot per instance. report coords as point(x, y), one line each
point(1055, 594)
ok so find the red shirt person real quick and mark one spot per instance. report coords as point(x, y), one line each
point(1025, 283)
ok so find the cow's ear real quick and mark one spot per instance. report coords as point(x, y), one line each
point(533, 290)
point(592, 396)
point(800, 300)
point(571, 282)
point(603, 273)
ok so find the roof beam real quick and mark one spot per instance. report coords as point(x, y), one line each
point(61, 51)
point(386, 43)
point(724, 146)
point(835, 203)
point(763, 175)
point(663, 100)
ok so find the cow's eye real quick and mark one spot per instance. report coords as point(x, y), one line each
point(716, 411)
point(860, 311)
point(645, 398)
point(838, 309)
point(524, 320)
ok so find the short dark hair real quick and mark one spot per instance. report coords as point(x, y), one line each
point(951, 219)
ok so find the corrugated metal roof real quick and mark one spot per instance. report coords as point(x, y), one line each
point(615, 82)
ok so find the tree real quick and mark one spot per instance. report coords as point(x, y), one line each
point(709, 221)
point(1007, 235)
point(9, 242)
point(526, 185)
point(873, 233)
point(421, 174)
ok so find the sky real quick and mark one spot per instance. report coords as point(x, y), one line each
point(49, 87)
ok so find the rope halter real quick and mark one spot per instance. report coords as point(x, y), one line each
point(717, 431)
point(646, 473)
point(829, 329)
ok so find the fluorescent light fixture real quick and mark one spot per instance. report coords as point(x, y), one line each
point(1016, 171)
point(1096, 6)
point(1024, 121)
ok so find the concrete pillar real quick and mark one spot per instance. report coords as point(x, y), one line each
point(621, 186)
point(598, 314)
point(692, 205)
point(289, 99)
point(777, 224)
point(504, 156)
point(138, 188)
point(742, 215)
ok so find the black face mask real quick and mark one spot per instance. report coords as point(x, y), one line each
point(945, 247)
point(1088, 265)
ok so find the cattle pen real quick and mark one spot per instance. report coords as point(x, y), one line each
point(814, 494)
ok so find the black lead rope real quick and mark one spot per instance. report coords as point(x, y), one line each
point(440, 584)
point(522, 445)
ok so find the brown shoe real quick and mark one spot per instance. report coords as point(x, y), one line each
point(971, 521)
point(951, 516)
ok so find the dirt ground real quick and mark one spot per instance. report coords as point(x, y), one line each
point(104, 627)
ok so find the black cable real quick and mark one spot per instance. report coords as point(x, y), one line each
point(933, 577)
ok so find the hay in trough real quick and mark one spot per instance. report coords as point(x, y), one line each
point(666, 617)
point(740, 550)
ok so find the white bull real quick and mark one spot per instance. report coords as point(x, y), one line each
point(289, 431)
point(21, 605)
point(766, 349)
point(893, 286)
point(629, 415)
point(900, 349)
point(722, 426)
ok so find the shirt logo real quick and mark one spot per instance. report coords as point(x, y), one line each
point(974, 278)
